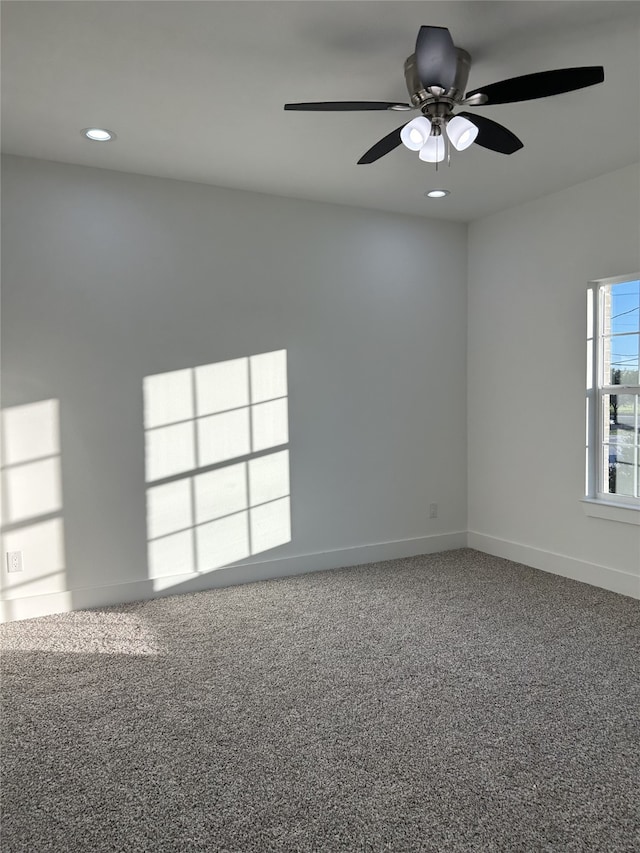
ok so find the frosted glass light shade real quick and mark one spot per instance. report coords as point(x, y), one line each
point(98, 134)
point(415, 133)
point(433, 150)
point(461, 132)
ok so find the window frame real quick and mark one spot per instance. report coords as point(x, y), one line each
point(596, 392)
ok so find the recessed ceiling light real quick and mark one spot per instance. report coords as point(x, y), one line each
point(401, 108)
point(98, 134)
point(437, 193)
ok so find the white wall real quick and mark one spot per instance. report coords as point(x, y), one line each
point(108, 278)
point(528, 272)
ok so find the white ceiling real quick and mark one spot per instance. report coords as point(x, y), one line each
point(195, 91)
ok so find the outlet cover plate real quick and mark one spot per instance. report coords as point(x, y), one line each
point(14, 561)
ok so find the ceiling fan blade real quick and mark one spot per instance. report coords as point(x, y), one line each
point(345, 106)
point(492, 135)
point(436, 57)
point(540, 85)
point(384, 146)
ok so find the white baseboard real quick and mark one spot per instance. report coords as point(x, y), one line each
point(80, 599)
point(30, 607)
point(615, 580)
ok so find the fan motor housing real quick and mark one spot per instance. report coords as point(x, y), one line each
point(423, 98)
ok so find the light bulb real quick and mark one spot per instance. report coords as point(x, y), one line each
point(461, 132)
point(415, 133)
point(98, 134)
point(433, 151)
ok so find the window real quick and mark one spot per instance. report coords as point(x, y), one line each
point(613, 391)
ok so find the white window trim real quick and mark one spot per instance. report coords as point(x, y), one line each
point(609, 511)
point(598, 504)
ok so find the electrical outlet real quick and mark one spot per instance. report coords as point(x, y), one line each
point(14, 561)
point(433, 510)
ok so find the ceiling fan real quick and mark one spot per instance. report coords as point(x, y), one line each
point(436, 77)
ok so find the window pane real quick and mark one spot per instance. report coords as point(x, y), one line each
point(621, 359)
point(620, 327)
point(620, 474)
point(625, 307)
point(620, 418)
point(621, 437)
point(622, 453)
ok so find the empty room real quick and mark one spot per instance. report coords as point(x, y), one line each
point(320, 428)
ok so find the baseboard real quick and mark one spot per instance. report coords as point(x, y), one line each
point(558, 564)
point(81, 599)
point(30, 607)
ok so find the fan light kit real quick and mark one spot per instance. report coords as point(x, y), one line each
point(98, 134)
point(436, 76)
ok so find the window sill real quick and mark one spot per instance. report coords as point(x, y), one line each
point(610, 511)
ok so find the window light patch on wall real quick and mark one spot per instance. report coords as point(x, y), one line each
point(32, 511)
point(217, 466)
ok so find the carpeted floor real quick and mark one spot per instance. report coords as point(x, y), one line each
point(452, 702)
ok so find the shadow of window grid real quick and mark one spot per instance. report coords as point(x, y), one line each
point(219, 493)
point(32, 520)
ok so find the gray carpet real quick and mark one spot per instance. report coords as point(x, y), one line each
point(453, 702)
